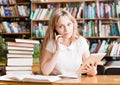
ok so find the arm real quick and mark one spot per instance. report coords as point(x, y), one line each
point(48, 62)
point(90, 69)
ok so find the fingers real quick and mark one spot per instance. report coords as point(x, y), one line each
point(59, 39)
point(58, 36)
point(95, 64)
point(90, 67)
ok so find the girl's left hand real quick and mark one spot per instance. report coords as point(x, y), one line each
point(91, 69)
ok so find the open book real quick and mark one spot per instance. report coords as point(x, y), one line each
point(95, 57)
point(29, 78)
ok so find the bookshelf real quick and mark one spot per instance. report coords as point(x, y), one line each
point(46, 8)
point(14, 16)
point(102, 25)
point(98, 20)
point(102, 19)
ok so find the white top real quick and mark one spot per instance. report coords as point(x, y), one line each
point(69, 58)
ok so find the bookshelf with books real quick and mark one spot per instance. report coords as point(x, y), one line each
point(41, 12)
point(15, 22)
point(98, 20)
point(102, 25)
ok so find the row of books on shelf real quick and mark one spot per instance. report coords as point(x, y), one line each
point(20, 56)
point(91, 28)
point(7, 1)
point(98, 28)
point(102, 10)
point(112, 48)
point(13, 11)
point(39, 30)
point(45, 13)
point(42, 13)
point(13, 27)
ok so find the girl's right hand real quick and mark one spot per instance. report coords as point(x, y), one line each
point(58, 41)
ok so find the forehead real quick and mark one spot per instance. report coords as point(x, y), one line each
point(63, 19)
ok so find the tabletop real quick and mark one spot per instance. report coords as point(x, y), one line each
point(82, 80)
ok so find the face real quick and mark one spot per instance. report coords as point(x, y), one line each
point(64, 27)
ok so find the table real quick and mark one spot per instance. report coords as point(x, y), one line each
point(96, 80)
point(83, 80)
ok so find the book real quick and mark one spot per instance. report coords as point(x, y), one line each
point(94, 57)
point(114, 49)
point(97, 48)
point(20, 44)
point(20, 52)
point(27, 41)
point(103, 46)
point(93, 47)
point(20, 62)
point(16, 68)
point(19, 55)
point(29, 78)
point(23, 72)
point(19, 48)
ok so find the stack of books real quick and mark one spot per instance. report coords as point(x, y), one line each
point(20, 56)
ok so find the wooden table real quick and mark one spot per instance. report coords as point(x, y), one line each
point(83, 80)
point(96, 80)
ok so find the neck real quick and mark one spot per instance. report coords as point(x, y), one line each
point(66, 42)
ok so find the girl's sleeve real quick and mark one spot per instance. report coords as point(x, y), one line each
point(50, 46)
point(85, 45)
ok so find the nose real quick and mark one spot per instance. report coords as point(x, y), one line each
point(66, 29)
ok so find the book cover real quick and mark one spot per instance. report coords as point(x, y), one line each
point(114, 49)
point(103, 47)
point(93, 47)
point(97, 48)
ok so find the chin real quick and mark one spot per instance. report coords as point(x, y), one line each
point(68, 37)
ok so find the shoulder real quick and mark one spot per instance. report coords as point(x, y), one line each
point(82, 39)
point(51, 46)
point(51, 42)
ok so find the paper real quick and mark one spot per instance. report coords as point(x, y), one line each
point(29, 78)
point(72, 76)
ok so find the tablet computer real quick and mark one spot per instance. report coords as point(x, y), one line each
point(95, 57)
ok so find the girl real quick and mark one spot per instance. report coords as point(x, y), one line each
point(63, 49)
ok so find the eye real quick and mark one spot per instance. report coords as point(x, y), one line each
point(69, 24)
point(61, 26)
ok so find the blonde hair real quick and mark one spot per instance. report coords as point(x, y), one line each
point(52, 24)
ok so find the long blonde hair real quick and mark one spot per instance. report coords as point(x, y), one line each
point(52, 24)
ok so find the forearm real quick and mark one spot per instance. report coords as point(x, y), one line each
point(49, 65)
